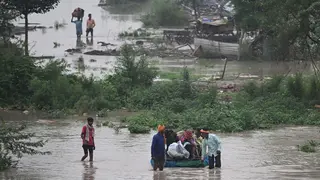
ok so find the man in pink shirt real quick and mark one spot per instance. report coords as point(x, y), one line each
point(87, 136)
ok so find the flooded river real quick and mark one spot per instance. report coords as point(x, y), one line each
point(111, 22)
point(258, 155)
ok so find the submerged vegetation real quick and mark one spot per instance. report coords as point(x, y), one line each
point(309, 146)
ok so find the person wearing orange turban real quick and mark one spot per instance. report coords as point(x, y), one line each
point(161, 128)
point(158, 149)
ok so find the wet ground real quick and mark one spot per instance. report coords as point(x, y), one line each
point(259, 155)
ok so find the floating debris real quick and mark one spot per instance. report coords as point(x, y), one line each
point(113, 52)
point(140, 43)
point(55, 44)
point(42, 57)
point(72, 50)
point(105, 44)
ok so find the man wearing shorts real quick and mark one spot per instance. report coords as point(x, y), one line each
point(87, 136)
point(90, 25)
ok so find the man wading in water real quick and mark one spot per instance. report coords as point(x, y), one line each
point(90, 25)
point(158, 149)
point(87, 136)
point(213, 143)
point(78, 24)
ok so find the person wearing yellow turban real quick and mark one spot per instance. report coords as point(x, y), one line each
point(158, 149)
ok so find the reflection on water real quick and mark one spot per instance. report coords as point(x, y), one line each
point(80, 44)
point(159, 175)
point(258, 155)
point(109, 25)
point(89, 41)
point(88, 171)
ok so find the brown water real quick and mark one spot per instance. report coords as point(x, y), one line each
point(253, 155)
point(259, 155)
point(112, 21)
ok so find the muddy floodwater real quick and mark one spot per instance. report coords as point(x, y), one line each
point(112, 21)
point(257, 155)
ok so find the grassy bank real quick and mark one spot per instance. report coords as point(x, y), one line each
point(279, 101)
point(178, 104)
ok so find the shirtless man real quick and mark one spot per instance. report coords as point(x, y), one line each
point(90, 25)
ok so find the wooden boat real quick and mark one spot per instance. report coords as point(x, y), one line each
point(216, 47)
point(197, 163)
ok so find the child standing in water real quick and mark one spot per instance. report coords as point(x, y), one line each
point(87, 136)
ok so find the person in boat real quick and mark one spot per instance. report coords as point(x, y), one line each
point(87, 136)
point(213, 143)
point(189, 143)
point(78, 24)
point(198, 139)
point(171, 137)
point(158, 149)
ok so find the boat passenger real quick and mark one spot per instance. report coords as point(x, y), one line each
point(171, 137)
point(191, 146)
point(198, 140)
point(158, 149)
point(213, 143)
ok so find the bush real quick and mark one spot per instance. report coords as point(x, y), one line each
point(177, 104)
point(256, 106)
point(138, 129)
point(165, 13)
point(50, 88)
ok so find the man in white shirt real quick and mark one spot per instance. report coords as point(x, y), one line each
point(213, 143)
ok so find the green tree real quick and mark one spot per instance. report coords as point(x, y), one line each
point(292, 26)
point(16, 73)
point(26, 7)
point(6, 17)
point(14, 143)
point(131, 72)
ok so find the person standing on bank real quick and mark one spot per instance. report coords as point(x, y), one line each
point(87, 136)
point(90, 25)
point(213, 143)
point(158, 149)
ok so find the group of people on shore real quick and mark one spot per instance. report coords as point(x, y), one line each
point(78, 13)
point(195, 142)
